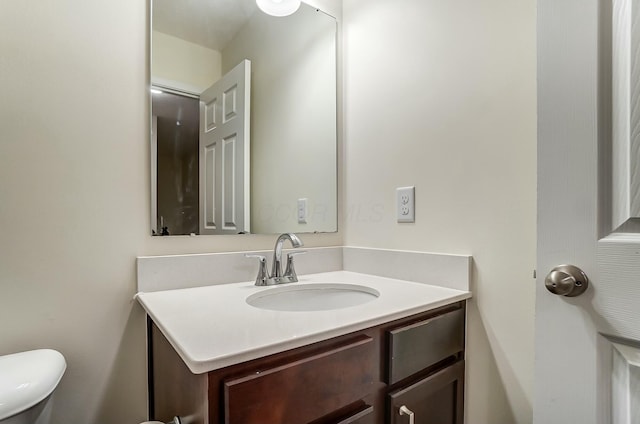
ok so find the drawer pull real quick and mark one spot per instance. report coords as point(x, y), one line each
point(406, 411)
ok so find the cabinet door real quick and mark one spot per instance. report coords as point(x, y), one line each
point(437, 399)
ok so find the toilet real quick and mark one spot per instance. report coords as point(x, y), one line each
point(27, 382)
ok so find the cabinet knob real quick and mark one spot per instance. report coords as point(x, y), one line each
point(406, 411)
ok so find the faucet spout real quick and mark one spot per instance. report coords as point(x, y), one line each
point(276, 270)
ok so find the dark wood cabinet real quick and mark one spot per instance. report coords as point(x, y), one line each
point(302, 390)
point(436, 399)
point(421, 344)
point(365, 416)
point(358, 378)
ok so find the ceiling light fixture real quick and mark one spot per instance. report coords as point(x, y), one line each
point(278, 7)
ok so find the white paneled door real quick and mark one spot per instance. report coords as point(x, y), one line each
point(224, 153)
point(587, 366)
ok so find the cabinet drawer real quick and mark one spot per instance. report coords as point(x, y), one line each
point(417, 346)
point(303, 390)
point(363, 413)
point(364, 416)
point(437, 399)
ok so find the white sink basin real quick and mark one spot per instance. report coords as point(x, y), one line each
point(312, 297)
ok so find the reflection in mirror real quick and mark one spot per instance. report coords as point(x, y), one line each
point(243, 119)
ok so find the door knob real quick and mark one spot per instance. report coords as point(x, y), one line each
point(567, 280)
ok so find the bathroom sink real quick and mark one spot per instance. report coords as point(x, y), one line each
point(312, 297)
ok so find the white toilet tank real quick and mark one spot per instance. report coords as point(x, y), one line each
point(27, 382)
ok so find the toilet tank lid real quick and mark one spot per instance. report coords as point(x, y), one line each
point(27, 378)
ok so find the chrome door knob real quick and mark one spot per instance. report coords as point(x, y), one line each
point(567, 280)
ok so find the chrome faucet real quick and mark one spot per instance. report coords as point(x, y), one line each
point(276, 268)
point(277, 276)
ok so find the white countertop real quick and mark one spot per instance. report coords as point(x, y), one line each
point(213, 327)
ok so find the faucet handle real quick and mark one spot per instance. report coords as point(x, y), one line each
point(263, 274)
point(290, 271)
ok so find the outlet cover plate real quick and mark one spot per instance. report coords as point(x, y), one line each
point(302, 211)
point(405, 204)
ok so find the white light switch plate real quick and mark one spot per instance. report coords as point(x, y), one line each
point(405, 204)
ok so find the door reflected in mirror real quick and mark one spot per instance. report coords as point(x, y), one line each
point(243, 119)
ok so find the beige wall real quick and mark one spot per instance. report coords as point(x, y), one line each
point(74, 198)
point(183, 65)
point(441, 95)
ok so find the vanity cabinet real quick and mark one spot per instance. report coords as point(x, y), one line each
point(364, 377)
point(436, 398)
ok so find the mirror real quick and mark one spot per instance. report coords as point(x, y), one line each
point(243, 119)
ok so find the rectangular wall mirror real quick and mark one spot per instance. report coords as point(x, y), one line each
point(243, 119)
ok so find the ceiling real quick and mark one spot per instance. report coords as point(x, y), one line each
point(209, 23)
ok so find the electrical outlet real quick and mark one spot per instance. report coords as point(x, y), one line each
point(405, 204)
point(302, 211)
